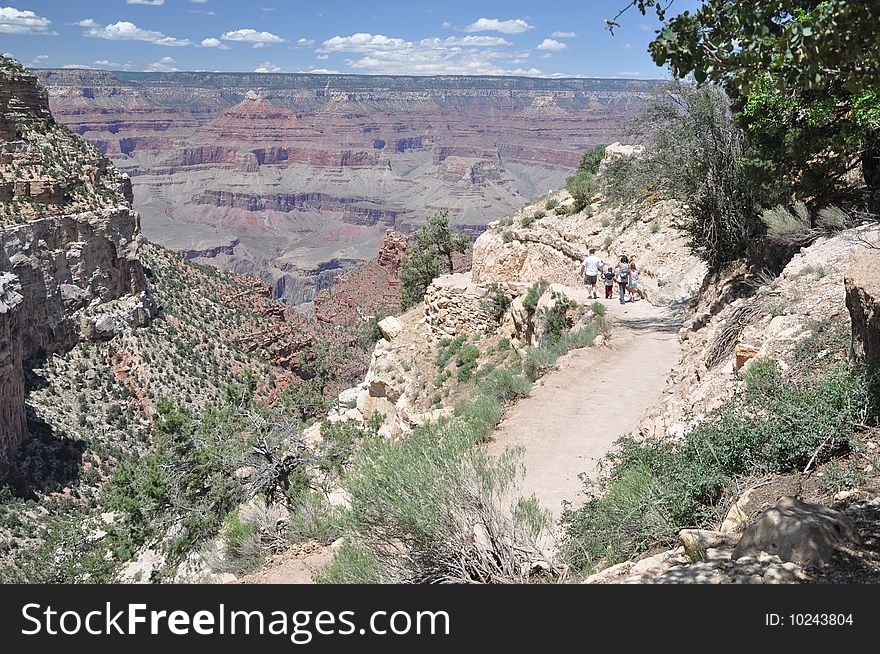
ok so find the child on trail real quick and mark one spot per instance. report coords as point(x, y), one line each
point(609, 282)
point(633, 284)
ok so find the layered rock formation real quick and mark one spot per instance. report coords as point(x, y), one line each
point(68, 241)
point(863, 302)
point(304, 169)
point(732, 327)
point(12, 413)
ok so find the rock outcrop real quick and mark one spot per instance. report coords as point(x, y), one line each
point(65, 255)
point(800, 532)
point(522, 247)
point(12, 413)
point(725, 334)
point(863, 302)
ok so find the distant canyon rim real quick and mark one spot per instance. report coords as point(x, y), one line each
point(295, 178)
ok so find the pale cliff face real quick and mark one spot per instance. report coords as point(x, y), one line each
point(68, 240)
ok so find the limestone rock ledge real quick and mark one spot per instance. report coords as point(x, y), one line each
point(863, 302)
point(68, 264)
point(12, 414)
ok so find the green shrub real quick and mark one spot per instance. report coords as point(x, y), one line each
point(539, 360)
point(606, 244)
point(497, 302)
point(530, 301)
point(481, 413)
point(351, 564)
point(466, 361)
point(556, 317)
point(313, 519)
point(506, 385)
point(448, 349)
point(240, 538)
point(598, 309)
point(551, 204)
point(415, 505)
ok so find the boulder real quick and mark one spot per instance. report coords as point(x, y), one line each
point(796, 531)
point(862, 298)
point(390, 328)
point(619, 150)
point(697, 542)
point(744, 354)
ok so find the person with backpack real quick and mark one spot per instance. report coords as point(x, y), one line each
point(623, 277)
point(590, 267)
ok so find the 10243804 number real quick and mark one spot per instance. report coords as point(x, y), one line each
point(820, 619)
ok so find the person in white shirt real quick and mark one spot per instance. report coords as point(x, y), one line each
point(590, 267)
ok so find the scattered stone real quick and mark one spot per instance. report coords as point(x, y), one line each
point(390, 328)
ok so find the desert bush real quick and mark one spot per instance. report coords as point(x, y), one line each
point(497, 302)
point(352, 564)
point(466, 362)
point(556, 317)
point(313, 519)
point(539, 360)
point(435, 509)
point(506, 385)
point(530, 301)
point(695, 154)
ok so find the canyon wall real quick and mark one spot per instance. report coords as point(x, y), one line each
point(67, 258)
point(299, 170)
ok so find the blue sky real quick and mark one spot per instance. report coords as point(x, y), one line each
point(542, 39)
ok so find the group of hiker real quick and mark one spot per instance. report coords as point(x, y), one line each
point(624, 275)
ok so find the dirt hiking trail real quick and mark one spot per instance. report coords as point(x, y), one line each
point(574, 414)
point(571, 418)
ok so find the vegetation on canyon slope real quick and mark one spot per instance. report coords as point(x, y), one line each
point(429, 255)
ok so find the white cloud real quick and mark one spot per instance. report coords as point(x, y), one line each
point(87, 22)
point(469, 41)
point(513, 26)
point(214, 43)
point(104, 63)
point(152, 3)
point(552, 45)
point(259, 39)
point(628, 73)
point(626, 45)
point(126, 31)
point(322, 56)
point(305, 43)
point(320, 71)
point(268, 67)
point(164, 65)
point(203, 12)
point(41, 57)
point(78, 67)
point(380, 54)
point(564, 35)
point(13, 21)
